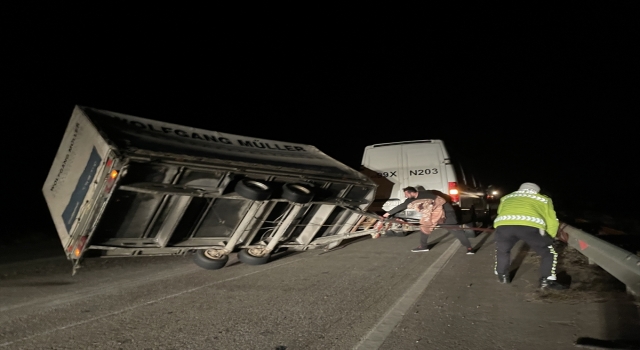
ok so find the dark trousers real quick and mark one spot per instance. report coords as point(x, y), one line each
point(508, 235)
point(459, 234)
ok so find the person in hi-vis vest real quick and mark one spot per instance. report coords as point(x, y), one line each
point(529, 216)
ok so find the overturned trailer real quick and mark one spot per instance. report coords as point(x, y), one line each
point(125, 186)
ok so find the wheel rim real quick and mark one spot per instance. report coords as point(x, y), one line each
point(213, 254)
point(257, 252)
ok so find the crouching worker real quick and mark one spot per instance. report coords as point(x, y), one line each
point(434, 210)
point(529, 216)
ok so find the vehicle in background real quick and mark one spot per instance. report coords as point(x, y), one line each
point(424, 164)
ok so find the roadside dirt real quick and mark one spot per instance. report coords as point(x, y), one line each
point(587, 283)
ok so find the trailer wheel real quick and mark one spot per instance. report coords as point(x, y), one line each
point(253, 256)
point(210, 259)
point(253, 189)
point(297, 193)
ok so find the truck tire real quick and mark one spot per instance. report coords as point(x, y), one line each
point(297, 193)
point(248, 256)
point(209, 259)
point(253, 189)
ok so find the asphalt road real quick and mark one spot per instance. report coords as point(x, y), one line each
point(367, 294)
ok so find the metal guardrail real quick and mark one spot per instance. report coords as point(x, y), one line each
point(621, 264)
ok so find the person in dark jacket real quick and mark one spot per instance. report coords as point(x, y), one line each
point(435, 210)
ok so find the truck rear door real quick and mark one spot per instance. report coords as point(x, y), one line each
point(383, 164)
point(423, 165)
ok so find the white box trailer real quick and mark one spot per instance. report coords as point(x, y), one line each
point(125, 186)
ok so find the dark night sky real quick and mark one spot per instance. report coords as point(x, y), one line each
point(549, 97)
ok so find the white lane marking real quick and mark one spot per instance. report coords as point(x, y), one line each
point(71, 325)
point(379, 333)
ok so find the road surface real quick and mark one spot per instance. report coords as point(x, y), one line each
point(366, 294)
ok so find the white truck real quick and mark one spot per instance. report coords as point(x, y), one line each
point(125, 186)
point(422, 164)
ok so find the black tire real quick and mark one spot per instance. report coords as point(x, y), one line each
point(205, 260)
point(254, 190)
point(247, 258)
point(297, 193)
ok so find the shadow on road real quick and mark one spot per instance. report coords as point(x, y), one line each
point(623, 325)
point(46, 283)
point(516, 263)
point(436, 241)
point(233, 259)
point(482, 241)
point(592, 284)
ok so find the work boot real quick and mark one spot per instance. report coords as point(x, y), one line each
point(550, 284)
point(504, 278)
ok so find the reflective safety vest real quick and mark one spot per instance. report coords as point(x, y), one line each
point(527, 208)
